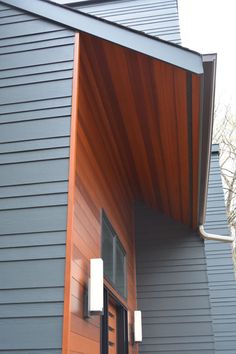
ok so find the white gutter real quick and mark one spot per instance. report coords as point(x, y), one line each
point(214, 237)
point(209, 112)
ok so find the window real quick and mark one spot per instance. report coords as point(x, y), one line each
point(114, 257)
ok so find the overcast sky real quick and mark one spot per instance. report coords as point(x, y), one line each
point(209, 26)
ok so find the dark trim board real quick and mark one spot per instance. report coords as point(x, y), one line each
point(129, 38)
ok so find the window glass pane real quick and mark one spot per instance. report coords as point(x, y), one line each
point(120, 269)
point(107, 251)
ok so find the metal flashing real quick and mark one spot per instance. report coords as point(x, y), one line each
point(209, 63)
point(129, 38)
point(206, 121)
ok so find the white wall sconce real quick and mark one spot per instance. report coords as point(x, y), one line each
point(93, 304)
point(138, 337)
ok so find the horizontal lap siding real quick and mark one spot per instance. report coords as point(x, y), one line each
point(36, 60)
point(155, 17)
point(172, 286)
point(220, 267)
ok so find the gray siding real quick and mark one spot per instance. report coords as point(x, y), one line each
point(172, 286)
point(36, 60)
point(155, 17)
point(222, 283)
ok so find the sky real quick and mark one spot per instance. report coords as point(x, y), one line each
point(209, 26)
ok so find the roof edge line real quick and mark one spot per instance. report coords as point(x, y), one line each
point(129, 38)
point(207, 115)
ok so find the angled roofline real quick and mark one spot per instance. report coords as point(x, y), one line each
point(207, 115)
point(126, 37)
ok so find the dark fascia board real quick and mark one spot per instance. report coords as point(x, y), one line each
point(129, 38)
point(206, 129)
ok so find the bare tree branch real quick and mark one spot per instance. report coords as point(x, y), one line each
point(225, 135)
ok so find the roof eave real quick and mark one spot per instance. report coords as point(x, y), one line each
point(207, 116)
point(129, 38)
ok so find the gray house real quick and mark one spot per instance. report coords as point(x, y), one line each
point(105, 153)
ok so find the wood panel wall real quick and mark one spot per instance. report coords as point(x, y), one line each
point(97, 181)
point(134, 136)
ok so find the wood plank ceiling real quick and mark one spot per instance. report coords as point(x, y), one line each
point(148, 112)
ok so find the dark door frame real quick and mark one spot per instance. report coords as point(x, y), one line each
point(122, 325)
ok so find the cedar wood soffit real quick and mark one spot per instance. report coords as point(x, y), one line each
point(187, 70)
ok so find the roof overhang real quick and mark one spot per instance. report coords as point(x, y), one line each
point(153, 115)
point(175, 86)
point(129, 38)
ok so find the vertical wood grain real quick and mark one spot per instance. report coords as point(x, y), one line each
point(129, 142)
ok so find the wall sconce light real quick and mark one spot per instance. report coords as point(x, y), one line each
point(93, 300)
point(138, 337)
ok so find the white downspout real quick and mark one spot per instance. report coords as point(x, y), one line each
point(203, 234)
point(213, 237)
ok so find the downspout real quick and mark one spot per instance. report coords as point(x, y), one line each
point(208, 110)
point(213, 237)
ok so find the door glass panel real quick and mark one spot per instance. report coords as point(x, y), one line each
point(114, 257)
point(120, 269)
point(107, 252)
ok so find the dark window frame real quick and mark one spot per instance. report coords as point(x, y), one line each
point(116, 241)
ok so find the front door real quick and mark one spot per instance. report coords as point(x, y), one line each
point(114, 326)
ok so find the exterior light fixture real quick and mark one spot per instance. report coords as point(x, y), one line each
point(138, 337)
point(95, 287)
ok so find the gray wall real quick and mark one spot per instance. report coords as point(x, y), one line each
point(155, 17)
point(222, 283)
point(172, 286)
point(36, 60)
